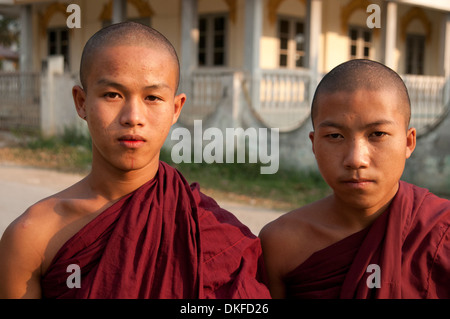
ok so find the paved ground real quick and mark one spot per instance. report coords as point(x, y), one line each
point(20, 187)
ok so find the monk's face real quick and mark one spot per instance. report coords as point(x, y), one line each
point(130, 104)
point(361, 143)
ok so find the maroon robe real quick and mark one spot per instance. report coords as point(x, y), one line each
point(410, 242)
point(164, 240)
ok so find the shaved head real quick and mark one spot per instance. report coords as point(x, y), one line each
point(120, 34)
point(362, 74)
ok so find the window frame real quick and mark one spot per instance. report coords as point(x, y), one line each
point(59, 43)
point(210, 33)
point(291, 52)
point(361, 44)
point(412, 63)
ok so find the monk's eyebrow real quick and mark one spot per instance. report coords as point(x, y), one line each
point(106, 82)
point(328, 123)
point(331, 124)
point(381, 122)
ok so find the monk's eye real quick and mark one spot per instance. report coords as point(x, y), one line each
point(152, 98)
point(111, 95)
point(334, 136)
point(378, 134)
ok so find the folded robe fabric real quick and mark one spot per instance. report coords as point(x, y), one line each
point(409, 242)
point(164, 240)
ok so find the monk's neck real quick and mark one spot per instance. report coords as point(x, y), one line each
point(112, 183)
point(356, 218)
point(359, 214)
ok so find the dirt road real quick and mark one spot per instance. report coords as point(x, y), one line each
point(21, 187)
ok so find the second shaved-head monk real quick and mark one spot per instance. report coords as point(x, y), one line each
point(133, 227)
point(375, 236)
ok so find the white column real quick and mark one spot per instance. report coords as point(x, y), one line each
point(445, 40)
point(390, 34)
point(313, 33)
point(252, 37)
point(55, 65)
point(26, 39)
point(189, 44)
point(119, 11)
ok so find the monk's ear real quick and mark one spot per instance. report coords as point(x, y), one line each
point(178, 105)
point(410, 141)
point(311, 137)
point(79, 98)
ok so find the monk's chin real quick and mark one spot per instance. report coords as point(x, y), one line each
point(375, 205)
point(360, 200)
point(131, 164)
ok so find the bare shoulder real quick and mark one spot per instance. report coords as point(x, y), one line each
point(30, 242)
point(296, 235)
point(39, 222)
point(294, 223)
point(29, 229)
point(32, 230)
point(287, 242)
point(22, 250)
point(283, 232)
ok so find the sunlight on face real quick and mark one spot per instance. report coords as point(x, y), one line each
point(131, 105)
point(361, 143)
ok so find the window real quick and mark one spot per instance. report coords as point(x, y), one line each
point(360, 43)
point(292, 43)
point(415, 53)
point(212, 40)
point(58, 43)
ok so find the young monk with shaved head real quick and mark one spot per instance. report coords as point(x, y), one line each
point(133, 228)
point(375, 236)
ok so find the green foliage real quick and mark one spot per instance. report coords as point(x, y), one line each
point(293, 188)
point(70, 137)
point(70, 151)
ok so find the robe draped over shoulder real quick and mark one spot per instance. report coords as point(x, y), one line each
point(409, 242)
point(164, 240)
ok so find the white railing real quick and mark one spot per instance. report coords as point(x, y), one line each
point(206, 89)
point(285, 98)
point(286, 101)
point(429, 100)
point(20, 100)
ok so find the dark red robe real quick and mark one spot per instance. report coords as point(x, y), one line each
point(164, 240)
point(410, 242)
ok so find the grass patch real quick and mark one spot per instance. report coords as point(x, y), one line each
point(285, 190)
point(70, 152)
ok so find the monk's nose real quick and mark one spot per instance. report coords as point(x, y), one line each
point(357, 155)
point(133, 113)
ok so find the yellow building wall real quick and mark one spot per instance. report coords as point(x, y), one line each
point(334, 41)
point(166, 18)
